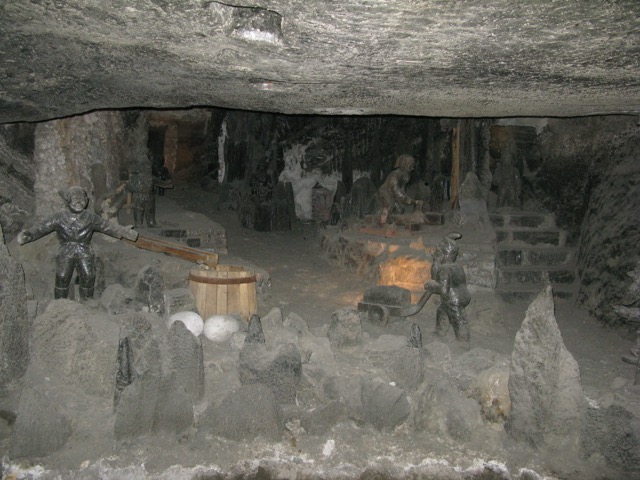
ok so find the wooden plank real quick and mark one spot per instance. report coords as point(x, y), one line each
point(243, 300)
point(252, 300)
point(157, 244)
point(221, 295)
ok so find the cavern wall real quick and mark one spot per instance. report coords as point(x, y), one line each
point(587, 173)
point(610, 232)
point(85, 150)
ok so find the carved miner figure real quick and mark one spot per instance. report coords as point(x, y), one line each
point(392, 191)
point(140, 185)
point(450, 282)
point(74, 228)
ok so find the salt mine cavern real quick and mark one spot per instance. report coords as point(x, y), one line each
point(320, 240)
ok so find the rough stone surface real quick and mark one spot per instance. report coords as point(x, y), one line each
point(491, 390)
point(247, 412)
point(280, 369)
point(149, 290)
point(473, 206)
point(174, 413)
point(76, 346)
point(116, 299)
point(15, 325)
point(614, 203)
point(345, 328)
point(139, 373)
point(404, 365)
point(481, 59)
point(40, 429)
point(255, 333)
point(136, 408)
point(16, 182)
point(547, 401)
point(61, 150)
point(179, 300)
point(320, 420)
point(383, 405)
point(275, 332)
point(441, 408)
point(348, 391)
point(186, 360)
point(614, 432)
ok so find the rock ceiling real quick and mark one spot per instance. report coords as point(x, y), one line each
point(478, 58)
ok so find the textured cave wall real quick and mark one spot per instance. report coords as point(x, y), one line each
point(586, 171)
point(610, 235)
point(574, 153)
point(17, 177)
point(86, 150)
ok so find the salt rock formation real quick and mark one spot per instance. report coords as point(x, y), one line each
point(547, 401)
point(14, 322)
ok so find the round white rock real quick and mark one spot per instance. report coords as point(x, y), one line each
point(191, 320)
point(219, 328)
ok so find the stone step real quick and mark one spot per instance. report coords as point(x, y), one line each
point(512, 293)
point(531, 236)
point(537, 274)
point(523, 219)
point(512, 255)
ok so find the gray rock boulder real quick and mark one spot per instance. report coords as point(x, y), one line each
point(403, 364)
point(186, 360)
point(174, 410)
point(614, 432)
point(442, 409)
point(347, 391)
point(280, 369)
point(15, 326)
point(320, 420)
point(246, 413)
point(179, 300)
point(149, 290)
point(76, 346)
point(136, 407)
point(345, 328)
point(383, 405)
point(116, 299)
point(40, 429)
point(164, 378)
point(547, 401)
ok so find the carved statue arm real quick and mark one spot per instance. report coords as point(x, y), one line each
point(37, 230)
point(114, 230)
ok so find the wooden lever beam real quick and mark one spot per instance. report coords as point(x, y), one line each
point(157, 244)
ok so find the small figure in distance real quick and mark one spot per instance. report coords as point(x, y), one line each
point(74, 228)
point(449, 281)
point(143, 201)
point(392, 192)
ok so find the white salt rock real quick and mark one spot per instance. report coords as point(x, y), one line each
point(329, 447)
point(191, 320)
point(219, 328)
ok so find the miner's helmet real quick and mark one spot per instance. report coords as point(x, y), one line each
point(449, 246)
point(69, 192)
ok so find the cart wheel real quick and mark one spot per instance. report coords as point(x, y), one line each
point(378, 315)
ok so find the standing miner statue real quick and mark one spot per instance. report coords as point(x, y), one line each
point(74, 228)
point(449, 281)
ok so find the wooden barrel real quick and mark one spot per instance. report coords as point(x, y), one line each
point(224, 289)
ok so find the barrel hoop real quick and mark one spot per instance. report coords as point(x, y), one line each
point(222, 281)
